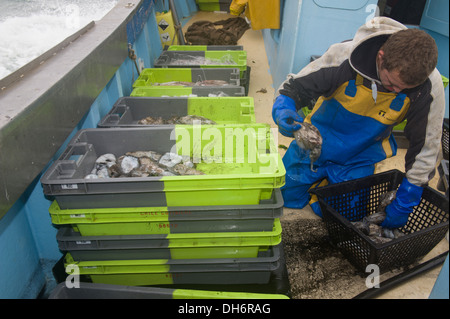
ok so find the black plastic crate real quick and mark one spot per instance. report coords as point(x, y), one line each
point(445, 142)
point(350, 201)
point(443, 177)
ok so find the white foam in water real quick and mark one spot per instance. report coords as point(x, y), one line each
point(28, 28)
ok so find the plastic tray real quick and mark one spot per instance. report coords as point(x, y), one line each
point(156, 76)
point(346, 202)
point(142, 272)
point(165, 220)
point(88, 290)
point(169, 59)
point(195, 47)
point(268, 254)
point(214, 5)
point(115, 252)
point(241, 166)
point(128, 111)
point(171, 246)
point(199, 91)
point(445, 139)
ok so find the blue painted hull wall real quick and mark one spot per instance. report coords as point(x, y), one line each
point(28, 246)
point(435, 21)
point(308, 28)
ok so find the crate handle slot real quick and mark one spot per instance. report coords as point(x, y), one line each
point(76, 150)
point(73, 159)
point(117, 113)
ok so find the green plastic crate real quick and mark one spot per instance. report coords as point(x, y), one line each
point(444, 81)
point(199, 91)
point(241, 166)
point(170, 59)
point(127, 111)
point(214, 5)
point(143, 272)
point(165, 220)
point(88, 290)
point(197, 47)
point(229, 90)
point(269, 254)
point(171, 246)
point(156, 76)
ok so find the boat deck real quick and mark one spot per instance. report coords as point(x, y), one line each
point(315, 270)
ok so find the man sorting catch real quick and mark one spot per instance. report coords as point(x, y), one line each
point(360, 90)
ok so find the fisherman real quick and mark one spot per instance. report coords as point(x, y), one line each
point(360, 90)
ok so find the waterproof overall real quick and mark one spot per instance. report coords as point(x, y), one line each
point(356, 125)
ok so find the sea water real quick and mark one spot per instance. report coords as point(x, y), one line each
point(28, 28)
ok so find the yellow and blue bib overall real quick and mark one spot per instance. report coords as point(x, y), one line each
point(356, 130)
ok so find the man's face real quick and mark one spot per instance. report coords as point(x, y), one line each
point(391, 79)
point(392, 82)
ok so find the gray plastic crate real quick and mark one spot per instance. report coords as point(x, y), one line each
point(269, 254)
point(88, 290)
point(142, 272)
point(200, 91)
point(157, 220)
point(158, 76)
point(81, 248)
point(170, 246)
point(128, 111)
point(244, 183)
point(217, 5)
point(214, 47)
point(194, 59)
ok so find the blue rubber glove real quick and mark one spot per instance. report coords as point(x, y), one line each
point(284, 114)
point(408, 195)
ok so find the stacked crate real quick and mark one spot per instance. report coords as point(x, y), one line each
point(220, 228)
point(206, 57)
point(214, 5)
point(182, 82)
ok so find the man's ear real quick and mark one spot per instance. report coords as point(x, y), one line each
point(380, 55)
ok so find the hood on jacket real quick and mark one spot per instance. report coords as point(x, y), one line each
point(367, 41)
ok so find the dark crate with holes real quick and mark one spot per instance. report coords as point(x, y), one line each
point(445, 139)
point(347, 202)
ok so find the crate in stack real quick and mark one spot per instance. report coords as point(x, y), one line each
point(214, 5)
point(182, 82)
point(206, 57)
point(219, 225)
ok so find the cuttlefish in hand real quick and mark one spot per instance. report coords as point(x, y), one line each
point(308, 138)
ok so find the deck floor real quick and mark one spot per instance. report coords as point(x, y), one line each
point(315, 270)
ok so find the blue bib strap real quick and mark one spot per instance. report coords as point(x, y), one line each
point(398, 102)
point(350, 90)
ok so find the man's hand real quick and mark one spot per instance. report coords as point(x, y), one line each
point(285, 114)
point(397, 213)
